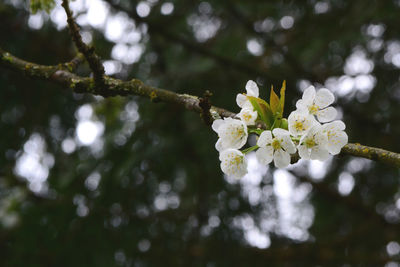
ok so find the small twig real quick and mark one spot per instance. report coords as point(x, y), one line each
point(204, 103)
point(92, 58)
point(74, 63)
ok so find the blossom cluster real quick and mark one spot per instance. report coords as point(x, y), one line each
point(310, 130)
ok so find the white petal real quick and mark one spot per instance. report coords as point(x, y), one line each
point(315, 129)
point(240, 99)
point(279, 132)
point(281, 158)
point(265, 155)
point(300, 122)
point(300, 105)
point(304, 137)
point(264, 139)
point(327, 114)
point(316, 133)
point(309, 95)
point(321, 137)
point(218, 145)
point(336, 141)
point(240, 142)
point(324, 98)
point(233, 163)
point(287, 144)
point(248, 116)
point(335, 126)
point(252, 88)
point(304, 152)
point(223, 154)
point(319, 153)
point(248, 105)
point(216, 124)
point(233, 133)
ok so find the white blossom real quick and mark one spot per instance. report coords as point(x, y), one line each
point(277, 147)
point(315, 141)
point(232, 133)
point(248, 116)
point(252, 90)
point(233, 163)
point(312, 145)
point(299, 122)
point(316, 103)
point(337, 138)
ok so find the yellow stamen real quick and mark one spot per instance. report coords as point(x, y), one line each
point(246, 117)
point(276, 144)
point(299, 126)
point(238, 160)
point(310, 143)
point(313, 109)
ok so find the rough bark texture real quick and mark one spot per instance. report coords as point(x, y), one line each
point(62, 75)
point(372, 153)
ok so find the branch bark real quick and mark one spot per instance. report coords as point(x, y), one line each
point(62, 76)
point(92, 58)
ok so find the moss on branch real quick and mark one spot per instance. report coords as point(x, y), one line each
point(61, 75)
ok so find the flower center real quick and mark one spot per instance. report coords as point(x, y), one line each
point(235, 132)
point(299, 126)
point(246, 116)
point(276, 144)
point(234, 163)
point(237, 161)
point(310, 143)
point(239, 131)
point(313, 109)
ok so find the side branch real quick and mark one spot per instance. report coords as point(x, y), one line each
point(61, 75)
point(75, 62)
point(92, 58)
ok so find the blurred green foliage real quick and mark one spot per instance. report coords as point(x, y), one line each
point(46, 5)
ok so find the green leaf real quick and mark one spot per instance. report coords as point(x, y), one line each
point(263, 110)
point(276, 108)
point(282, 100)
point(274, 101)
point(277, 122)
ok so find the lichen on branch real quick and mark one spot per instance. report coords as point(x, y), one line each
point(372, 153)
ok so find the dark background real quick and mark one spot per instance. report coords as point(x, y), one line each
point(148, 191)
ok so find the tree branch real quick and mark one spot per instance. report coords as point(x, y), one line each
point(372, 153)
point(62, 76)
point(204, 103)
point(92, 58)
